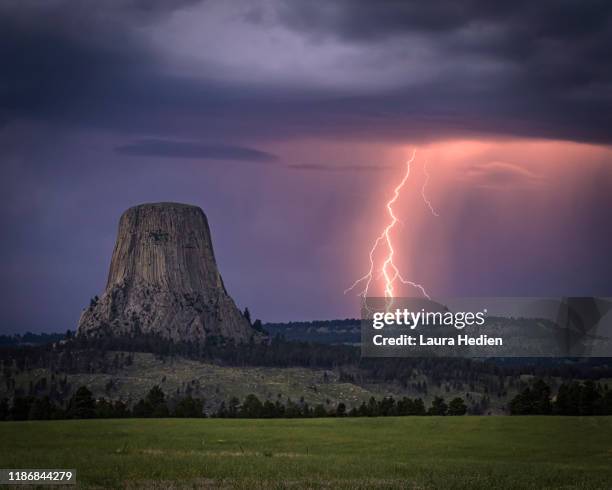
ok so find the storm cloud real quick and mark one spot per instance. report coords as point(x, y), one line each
point(275, 70)
point(192, 150)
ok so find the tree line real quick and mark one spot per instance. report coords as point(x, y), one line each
point(573, 398)
point(252, 407)
point(83, 405)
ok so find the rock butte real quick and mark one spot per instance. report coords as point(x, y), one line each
point(164, 280)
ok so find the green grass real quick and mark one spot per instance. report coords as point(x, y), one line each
point(406, 452)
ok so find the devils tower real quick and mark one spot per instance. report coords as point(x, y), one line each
point(164, 280)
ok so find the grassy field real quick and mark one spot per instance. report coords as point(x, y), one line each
point(403, 452)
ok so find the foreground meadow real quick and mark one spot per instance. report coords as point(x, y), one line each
point(414, 452)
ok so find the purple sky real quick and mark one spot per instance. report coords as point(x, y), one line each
point(289, 123)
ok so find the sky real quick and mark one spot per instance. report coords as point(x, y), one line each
point(290, 124)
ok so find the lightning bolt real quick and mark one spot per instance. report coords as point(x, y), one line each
point(389, 271)
point(427, 202)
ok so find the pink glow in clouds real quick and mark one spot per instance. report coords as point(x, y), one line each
point(505, 208)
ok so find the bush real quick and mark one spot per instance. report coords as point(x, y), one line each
point(189, 408)
point(438, 407)
point(457, 407)
point(82, 404)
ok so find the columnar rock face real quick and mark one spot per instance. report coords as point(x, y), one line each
point(164, 280)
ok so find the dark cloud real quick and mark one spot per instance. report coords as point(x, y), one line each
point(86, 64)
point(363, 20)
point(60, 55)
point(537, 69)
point(190, 149)
point(516, 67)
